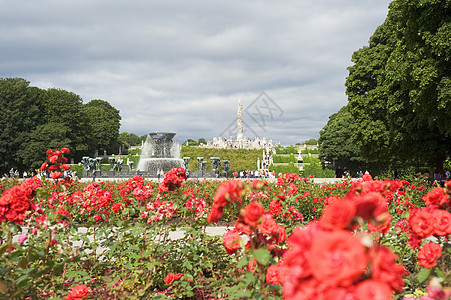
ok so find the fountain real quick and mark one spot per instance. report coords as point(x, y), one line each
point(160, 152)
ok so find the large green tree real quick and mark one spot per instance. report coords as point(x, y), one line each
point(33, 120)
point(20, 113)
point(130, 139)
point(45, 136)
point(65, 109)
point(399, 85)
point(105, 122)
point(335, 145)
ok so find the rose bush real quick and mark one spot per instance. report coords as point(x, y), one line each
point(289, 239)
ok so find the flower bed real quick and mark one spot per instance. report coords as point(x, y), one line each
point(289, 240)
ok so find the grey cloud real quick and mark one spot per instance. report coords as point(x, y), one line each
point(182, 65)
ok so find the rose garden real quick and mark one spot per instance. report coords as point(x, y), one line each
point(292, 239)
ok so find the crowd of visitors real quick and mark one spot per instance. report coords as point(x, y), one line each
point(255, 174)
point(16, 174)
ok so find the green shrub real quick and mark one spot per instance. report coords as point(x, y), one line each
point(310, 160)
point(286, 150)
point(318, 171)
point(284, 159)
point(136, 151)
point(311, 151)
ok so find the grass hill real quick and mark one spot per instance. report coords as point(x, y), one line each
point(240, 159)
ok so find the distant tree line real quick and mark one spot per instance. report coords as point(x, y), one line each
point(399, 94)
point(33, 120)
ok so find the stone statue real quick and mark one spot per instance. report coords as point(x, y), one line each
point(186, 162)
point(98, 163)
point(215, 161)
point(226, 164)
point(85, 162)
point(112, 161)
point(118, 165)
point(239, 134)
point(91, 164)
point(199, 163)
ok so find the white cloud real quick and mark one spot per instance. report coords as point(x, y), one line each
point(182, 65)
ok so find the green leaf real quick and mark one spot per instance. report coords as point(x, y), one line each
point(188, 265)
point(242, 262)
point(262, 256)
point(3, 248)
point(423, 274)
point(23, 262)
point(22, 280)
point(439, 273)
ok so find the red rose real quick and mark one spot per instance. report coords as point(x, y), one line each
point(302, 290)
point(441, 221)
point(65, 150)
point(228, 192)
point(383, 227)
point(178, 276)
point(436, 196)
point(16, 193)
point(370, 205)
point(56, 175)
point(252, 213)
point(337, 257)
point(65, 167)
point(268, 225)
point(367, 177)
point(252, 266)
point(14, 216)
point(427, 257)
point(275, 207)
point(329, 200)
point(53, 159)
point(231, 241)
point(280, 234)
point(372, 289)
point(215, 214)
point(163, 186)
point(298, 282)
point(243, 228)
point(62, 160)
point(384, 267)
point(53, 167)
point(169, 278)
point(272, 275)
point(20, 205)
point(43, 166)
point(80, 291)
point(338, 214)
point(421, 223)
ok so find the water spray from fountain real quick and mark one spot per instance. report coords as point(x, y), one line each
point(161, 151)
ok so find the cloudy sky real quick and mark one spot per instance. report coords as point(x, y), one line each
point(181, 66)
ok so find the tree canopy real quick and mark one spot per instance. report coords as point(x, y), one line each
point(130, 139)
point(20, 113)
point(105, 122)
point(399, 86)
point(33, 120)
point(335, 145)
